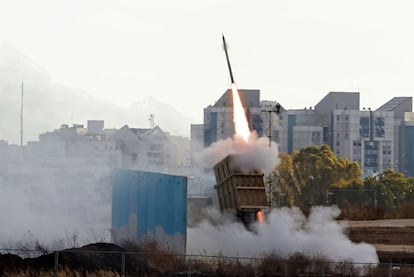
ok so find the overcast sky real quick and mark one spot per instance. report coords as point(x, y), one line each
point(295, 52)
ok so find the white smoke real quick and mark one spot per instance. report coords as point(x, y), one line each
point(252, 154)
point(54, 202)
point(285, 232)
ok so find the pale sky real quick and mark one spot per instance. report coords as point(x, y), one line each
point(295, 52)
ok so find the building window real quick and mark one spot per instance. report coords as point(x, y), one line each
point(364, 127)
point(379, 127)
point(371, 154)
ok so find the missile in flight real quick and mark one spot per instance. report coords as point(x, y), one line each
point(228, 60)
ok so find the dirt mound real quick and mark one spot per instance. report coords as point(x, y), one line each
point(91, 257)
point(9, 262)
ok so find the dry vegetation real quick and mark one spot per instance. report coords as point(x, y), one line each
point(148, 259)
point(363, 212)
point(158, 262)
point(61, 273)
point(297, 265)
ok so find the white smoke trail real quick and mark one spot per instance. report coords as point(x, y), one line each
point(285, 232)
point(252, 154)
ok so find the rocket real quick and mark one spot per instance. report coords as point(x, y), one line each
point(228, 60)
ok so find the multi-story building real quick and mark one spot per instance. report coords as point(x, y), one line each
point(145, 148)
point(376, 139)
point(366, 137)
point(182, 150)
point(298, 130)
point(218, 119)
point(76, 141)
point(334, 100)
point(406, 149)
point(197, 140)
point(402, 108)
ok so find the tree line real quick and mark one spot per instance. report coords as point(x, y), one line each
point(316, 176)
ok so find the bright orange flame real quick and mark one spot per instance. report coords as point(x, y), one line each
point(239, 116)
point(259, 216)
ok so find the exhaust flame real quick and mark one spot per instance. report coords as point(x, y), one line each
point(259, 216)
point(239, 117)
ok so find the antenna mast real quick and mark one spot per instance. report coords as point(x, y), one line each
point(21, 119)
point(152, 120)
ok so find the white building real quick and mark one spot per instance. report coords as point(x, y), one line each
point(367, 137)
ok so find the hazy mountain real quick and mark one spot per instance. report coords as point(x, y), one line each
point(48, 104)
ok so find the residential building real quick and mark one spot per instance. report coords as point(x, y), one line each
point(145, 148)
point(182, 150)
point(76, 142)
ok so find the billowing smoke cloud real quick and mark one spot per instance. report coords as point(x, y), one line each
point(65, 200)
point(285, 232)
point(252, 154)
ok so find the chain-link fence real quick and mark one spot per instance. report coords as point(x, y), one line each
point(118, 263)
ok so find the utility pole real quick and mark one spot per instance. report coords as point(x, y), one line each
point(21, 118)
point(275, 109)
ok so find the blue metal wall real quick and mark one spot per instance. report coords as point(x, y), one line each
point(150, 205)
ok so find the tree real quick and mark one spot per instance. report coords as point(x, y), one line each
point(284, 180)
point(349, 173)
point(396, 187)
point(312, 171)
point(392, 188)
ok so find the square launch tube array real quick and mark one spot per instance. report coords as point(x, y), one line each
point(239, 191)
